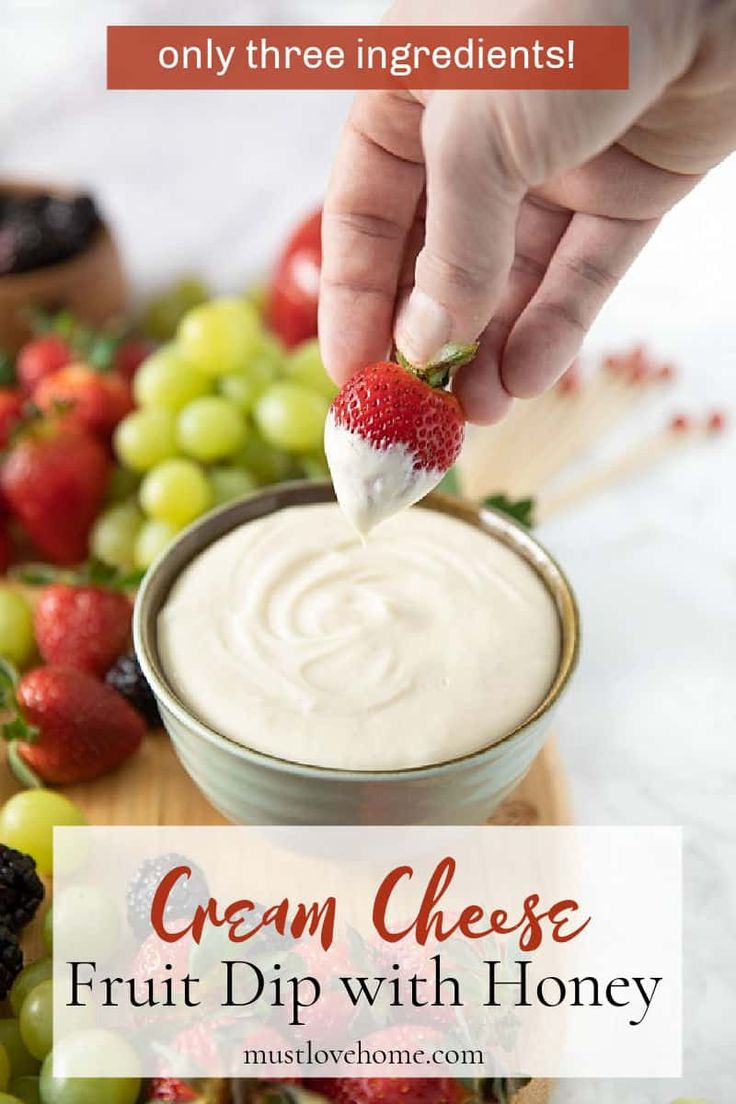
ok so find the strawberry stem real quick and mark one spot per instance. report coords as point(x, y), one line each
point(439, 370)
point(13, 725)
point(25, 775)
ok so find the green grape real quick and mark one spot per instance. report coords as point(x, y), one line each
point(230, 483)
point(266, 463)
point(153, 537)
point(21, 1061)
point(145, 438)
point(89, 918)
point(4, 1068)
point(114, 534)
point(122, 484)
point(25, 1089)
point(27, 821)
point(176, 491)
point(164, 311)
point(36, 1020)
point(6, 1098)
point(16, 627)
point(292, 417)
point(220, 336)
point(257, 294)
point(101, 1050)
point(244, 388)
point(29, 977)
point(168, 379)
point(304, 365)
point(211, 428)
point(315, 467)
point(47, 931)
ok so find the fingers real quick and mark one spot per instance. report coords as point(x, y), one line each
point(370, 207)
point(617, 184)
point(591, 258)
point(473, 200)
point(538, 232)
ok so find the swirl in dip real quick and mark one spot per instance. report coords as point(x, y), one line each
point(291, 637)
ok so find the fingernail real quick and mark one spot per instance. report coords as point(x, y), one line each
point(423, 326)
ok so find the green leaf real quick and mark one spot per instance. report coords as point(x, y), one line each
point(520, 509)
point(8, 683)
point(501, 1090)
point(7, 370)
point(25, 774)
point(37, 574)
point(449, 484)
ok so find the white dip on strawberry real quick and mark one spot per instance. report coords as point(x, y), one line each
point(292, 637)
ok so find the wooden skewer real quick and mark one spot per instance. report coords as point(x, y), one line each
point(540, 437)
point(635, 461)
point(613, 403)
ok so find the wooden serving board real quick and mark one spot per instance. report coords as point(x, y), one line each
point(153, 788)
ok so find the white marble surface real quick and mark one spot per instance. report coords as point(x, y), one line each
point(210, 182)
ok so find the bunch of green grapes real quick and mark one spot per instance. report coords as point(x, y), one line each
point(221, 409)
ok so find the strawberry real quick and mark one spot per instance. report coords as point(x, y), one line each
point(154, 955)
point(68, 727)
point(95, 400)
point(11, 413)
point(129, 356)
point(390, 1090)
point(6, 548)
point(54, 480)
point(41, 357)
point(391, 433)
point(86, 627)
point(171, 1089)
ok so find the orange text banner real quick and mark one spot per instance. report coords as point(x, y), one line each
point(202, 57)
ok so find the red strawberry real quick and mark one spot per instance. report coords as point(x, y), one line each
point(291, 299)
point(390, 1090)
point(11, 413)
point(171, 1089)
point(54, 481)
point(69, 727)
point(86, 627)
point(129, 356)
point(41, 357)
point(154, 955)
point(6, 549)
point(96, 401)
point(391, 434)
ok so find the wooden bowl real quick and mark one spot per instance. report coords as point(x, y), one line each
point(90, 284)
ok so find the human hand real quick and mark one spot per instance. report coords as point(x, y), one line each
point(510, 216)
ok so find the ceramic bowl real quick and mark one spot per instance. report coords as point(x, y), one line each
point(250, 787)
point(91, 285)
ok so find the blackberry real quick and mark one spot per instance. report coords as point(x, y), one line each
point(186, 895)
point(21, 889)
point(40, 230)
point(126, 677)
point(11, 960)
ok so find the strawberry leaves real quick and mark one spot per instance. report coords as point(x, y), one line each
point(92, 573)
point(14, 728)
point(438, 372)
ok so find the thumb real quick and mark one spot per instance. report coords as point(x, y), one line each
point(473, 197)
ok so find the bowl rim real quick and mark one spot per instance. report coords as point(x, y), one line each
point(161, 575)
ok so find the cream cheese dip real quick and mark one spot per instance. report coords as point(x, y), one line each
point(291, 637)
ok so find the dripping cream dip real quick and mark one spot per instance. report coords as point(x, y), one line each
point(424, 644)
